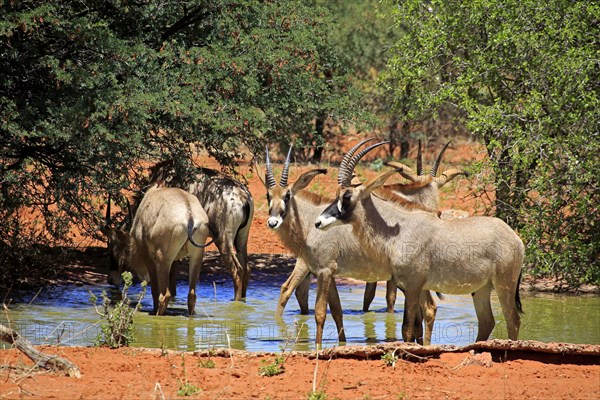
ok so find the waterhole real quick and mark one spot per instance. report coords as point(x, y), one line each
point(65, 315)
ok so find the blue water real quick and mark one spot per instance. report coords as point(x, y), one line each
point(65, 315)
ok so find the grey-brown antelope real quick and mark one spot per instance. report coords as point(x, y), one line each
point(229, 206)
point(292, 212)
point(169, 224)
point(425, 190)
point(420, 251)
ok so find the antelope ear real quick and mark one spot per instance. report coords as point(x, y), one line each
point(305, 179)
point(260, 173)
point(377, 182)
point(448, 175)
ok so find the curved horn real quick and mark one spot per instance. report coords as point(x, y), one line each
point(419, 160)
point(342, 171)
point(404, 170)
point(283, 182)
point(269, 174)
point(438, 160)
point(448, 175)
point(355, 159)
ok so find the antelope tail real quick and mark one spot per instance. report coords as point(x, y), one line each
point(518, 296)
point(191, 230)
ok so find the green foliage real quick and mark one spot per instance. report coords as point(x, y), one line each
point(117, 330)
point(210, 364)
point(523, 79)
point(90, 92)
point(362, 36)
point(390, 358)
point(271, 369)
point(318, 395)
point(377, 164)
point(187, 389)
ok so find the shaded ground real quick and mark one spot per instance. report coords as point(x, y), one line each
point(154, 374)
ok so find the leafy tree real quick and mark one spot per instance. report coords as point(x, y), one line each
point(363, 34)
point(523, 76)
point(92, 90)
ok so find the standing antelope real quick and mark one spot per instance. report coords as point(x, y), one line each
point(424, 190)
point(422, 252)
point(229, 206)
point(292, 212)
point(169, 224)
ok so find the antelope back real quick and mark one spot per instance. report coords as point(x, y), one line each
point(227, 202)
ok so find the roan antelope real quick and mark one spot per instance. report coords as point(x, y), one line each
point(169, 224)
point(292, 212)
point(229, 206)
point(425, 190)
point(423, 252)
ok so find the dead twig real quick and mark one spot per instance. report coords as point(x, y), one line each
point(49, 362)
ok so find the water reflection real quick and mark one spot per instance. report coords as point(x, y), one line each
point(65, 315)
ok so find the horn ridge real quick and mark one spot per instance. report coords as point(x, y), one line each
point(283, 182)
point(269, 175)
point(342, 171)
point(355, 159)
point(438, 160)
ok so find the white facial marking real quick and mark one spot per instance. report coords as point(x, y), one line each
point(325, 222)
point(274, 222)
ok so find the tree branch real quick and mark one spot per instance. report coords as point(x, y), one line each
point(197, 14)
point(46, 361)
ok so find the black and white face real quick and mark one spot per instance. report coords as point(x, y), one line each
point(278, 199)
point(340, 211)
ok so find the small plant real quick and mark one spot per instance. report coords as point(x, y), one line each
point(390, 358)
point(318, 395)
point(117, 330)
point(187, 389)
point(272, 369)
point(206, 363)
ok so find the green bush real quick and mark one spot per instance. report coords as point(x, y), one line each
point(271, 369)
point(523, 80)
point(117, 328)
point(90, 95)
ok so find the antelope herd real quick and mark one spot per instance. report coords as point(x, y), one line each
point(369, 232)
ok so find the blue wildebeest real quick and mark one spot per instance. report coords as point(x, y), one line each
point(169, 224)
point(229, 206)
